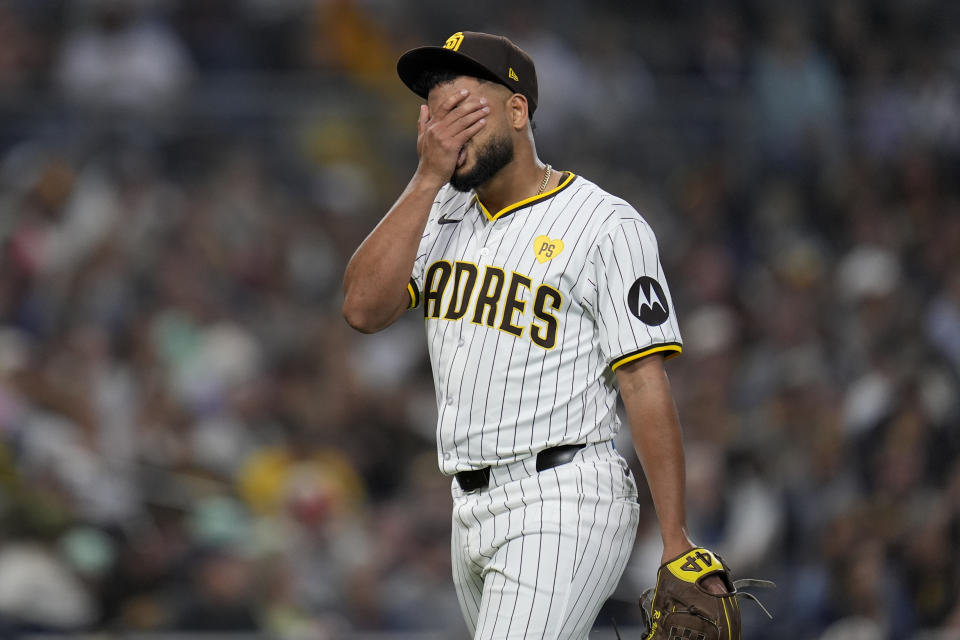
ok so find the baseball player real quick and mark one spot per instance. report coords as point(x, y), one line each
point(543, 297)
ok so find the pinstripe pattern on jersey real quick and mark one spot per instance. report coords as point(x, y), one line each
point(502, 396)
point(625, 254)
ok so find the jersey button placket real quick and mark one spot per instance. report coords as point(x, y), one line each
point(484, 241)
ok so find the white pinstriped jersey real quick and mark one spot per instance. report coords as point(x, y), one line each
point(529, 311)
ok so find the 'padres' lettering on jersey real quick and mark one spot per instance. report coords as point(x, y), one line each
point(527, 312)
point(490, 300)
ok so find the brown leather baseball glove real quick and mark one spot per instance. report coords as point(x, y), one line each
point(682, 609)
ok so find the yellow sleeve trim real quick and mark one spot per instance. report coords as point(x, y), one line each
point(673, 347)
point(414, 296)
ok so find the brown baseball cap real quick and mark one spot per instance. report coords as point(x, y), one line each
point(479, 55)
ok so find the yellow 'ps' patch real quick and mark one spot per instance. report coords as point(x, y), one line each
point(546, 248)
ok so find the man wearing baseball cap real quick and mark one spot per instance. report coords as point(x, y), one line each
point(543, 298)
point(486, 64)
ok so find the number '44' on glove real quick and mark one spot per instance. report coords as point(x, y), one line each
point(683, 609)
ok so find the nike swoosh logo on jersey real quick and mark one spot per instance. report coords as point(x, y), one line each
point(445, 220)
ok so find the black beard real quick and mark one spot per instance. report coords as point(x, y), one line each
point(491, 158)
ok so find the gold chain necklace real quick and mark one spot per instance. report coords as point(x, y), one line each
point(546, 179)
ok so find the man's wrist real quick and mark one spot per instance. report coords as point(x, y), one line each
point(676, 544)
point(428, 180)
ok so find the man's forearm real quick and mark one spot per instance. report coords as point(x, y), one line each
point(375, 281)
point(657, 438)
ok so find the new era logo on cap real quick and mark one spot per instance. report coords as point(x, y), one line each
point(471, 53)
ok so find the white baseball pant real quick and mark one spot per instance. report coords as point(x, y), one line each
point(535, 555)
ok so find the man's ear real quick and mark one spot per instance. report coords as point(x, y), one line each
point(518, 112)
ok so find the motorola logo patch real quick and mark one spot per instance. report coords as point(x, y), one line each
point(648, 302)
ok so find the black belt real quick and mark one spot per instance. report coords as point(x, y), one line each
point(546, 459)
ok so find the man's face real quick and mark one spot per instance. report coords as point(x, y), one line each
point(486, 153)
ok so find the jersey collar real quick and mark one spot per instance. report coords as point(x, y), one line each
point(532, 200)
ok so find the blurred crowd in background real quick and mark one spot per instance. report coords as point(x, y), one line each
point(191, 438)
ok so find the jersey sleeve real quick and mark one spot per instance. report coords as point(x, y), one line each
point(632, 306)
point(415, 286)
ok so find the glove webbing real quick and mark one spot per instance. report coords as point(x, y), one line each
point(753, 582)
point(645, 599)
